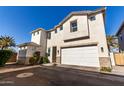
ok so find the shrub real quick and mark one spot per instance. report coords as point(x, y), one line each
point(5, 56)
point(41, 60)
point(44, 60)
point(36, 57)
point(106, 69)
point(36, 54)
point(32, 60)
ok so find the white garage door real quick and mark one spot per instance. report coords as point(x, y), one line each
point(83, 56)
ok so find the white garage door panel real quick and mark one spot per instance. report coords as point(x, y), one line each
point(83, 56)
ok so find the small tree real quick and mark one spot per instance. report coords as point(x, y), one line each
point(6, 42)
point(112, 42)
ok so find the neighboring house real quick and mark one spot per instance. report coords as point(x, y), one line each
point(120, 35)
point(113, 43)
point(79, 39)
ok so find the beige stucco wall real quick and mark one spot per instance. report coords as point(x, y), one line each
point(40, 39)
point(82, 27)
point(96, 34)
point(43, 42)
point(36, 38)
point(30, 51)
point(25, 54)
point(22, 53)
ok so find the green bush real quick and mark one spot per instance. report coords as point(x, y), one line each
point(41, 60)
point(44, 60)
point(5, 56)
point(106, 69)
point(36, 54)
point(33, 60)
point(36, 59)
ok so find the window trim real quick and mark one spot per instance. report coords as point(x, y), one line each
point(49, 35)
point(71, 28)
point(92, 18)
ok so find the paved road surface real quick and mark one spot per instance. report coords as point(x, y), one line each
point(59, 76)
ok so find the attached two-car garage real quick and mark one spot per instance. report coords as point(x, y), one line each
point(82, 56)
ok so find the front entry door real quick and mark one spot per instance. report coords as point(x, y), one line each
point(54, 54)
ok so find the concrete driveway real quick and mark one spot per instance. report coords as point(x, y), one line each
point(57, 76)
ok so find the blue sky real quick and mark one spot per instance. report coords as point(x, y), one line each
point(20, 21)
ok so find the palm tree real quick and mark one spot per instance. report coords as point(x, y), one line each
point(6, 42)
point(112, 42)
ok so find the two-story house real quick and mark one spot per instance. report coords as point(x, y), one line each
point(79, 39)
point(120, 35)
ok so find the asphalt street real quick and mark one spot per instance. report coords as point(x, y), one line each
point(59, 76)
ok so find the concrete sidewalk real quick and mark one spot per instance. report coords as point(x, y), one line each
point(17, 68)
point(94, 69)
point(116, 70)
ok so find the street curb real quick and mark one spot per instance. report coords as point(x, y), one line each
point(99, 72)
point(111, 74)
point(19, 69)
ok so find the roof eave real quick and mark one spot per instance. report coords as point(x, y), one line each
point(73, 13)
point(28, 44)
point(38, 29)
point(119, 30)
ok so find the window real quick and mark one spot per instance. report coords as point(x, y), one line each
point(121, 38)
point(56, 31)
point(102, 49)
point(48, 51)
point(73, 26)
point(38, 32)
point(92, 18)
point(34, 34)
point(58, 51)
point(61, 27)
point(49, 35)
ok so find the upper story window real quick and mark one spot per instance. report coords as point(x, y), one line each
point(61, 27)
point(34, 34)
point(49, 35)
point(38, 32)
point(73, 26)
point(92, 18)
point(55, 30)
